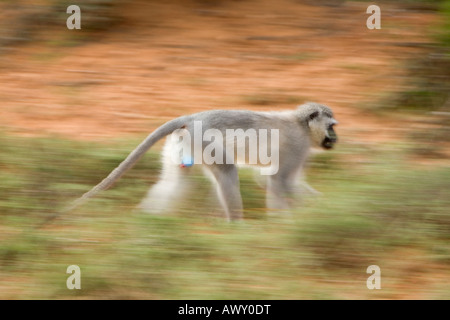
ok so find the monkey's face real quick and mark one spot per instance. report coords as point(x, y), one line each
point(322, 130)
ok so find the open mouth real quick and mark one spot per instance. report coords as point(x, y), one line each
point(328, 143)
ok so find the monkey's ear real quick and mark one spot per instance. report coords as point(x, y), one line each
point(313, 115)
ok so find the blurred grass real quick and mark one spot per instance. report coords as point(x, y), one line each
point(425, 92)
point(370, 211)
point(35, 22)
point(428, 85)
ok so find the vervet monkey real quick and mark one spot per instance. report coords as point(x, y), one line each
point(310, 125)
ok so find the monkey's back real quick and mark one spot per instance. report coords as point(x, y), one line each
point(293, 138)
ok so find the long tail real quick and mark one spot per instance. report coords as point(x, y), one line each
point(132, 158)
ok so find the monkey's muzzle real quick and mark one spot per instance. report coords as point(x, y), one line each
point(330, 140)
point(328, 143)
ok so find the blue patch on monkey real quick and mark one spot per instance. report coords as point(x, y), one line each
point(186, 162)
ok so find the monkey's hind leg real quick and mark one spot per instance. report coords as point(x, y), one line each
point(167, 192)
point(279, 193)
point(227, 184)
point(172, 187)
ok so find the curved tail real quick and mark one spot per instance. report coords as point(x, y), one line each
point(130, 160)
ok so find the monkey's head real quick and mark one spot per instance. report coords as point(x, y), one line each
point(320, 121)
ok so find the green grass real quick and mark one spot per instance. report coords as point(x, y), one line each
point(369, 212)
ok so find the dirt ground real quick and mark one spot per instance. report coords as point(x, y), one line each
point(166, 60)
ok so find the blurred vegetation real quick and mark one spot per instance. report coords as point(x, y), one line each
point(373, 210)
point(426, 91)
point(36, 21)
point(429, 85)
